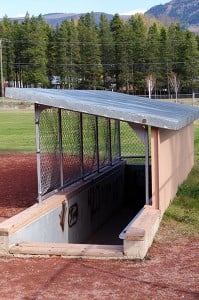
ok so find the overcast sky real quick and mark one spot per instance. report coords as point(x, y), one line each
point(18, 8)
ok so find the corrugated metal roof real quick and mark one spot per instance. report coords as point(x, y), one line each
point(112, 105)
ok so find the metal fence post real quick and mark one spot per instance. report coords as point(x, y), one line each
point(81, 146)
point(37, 134)
point(147, 166)
point(60, 146)
point(119, 139)
point(109, 141)
point(97, 142)
point(193, 98)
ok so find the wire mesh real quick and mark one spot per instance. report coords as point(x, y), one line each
point(90, 161)
point(103, 142)
point(74, 145)
point(132, 147)
point(115, 140)
point(71, 146)
point(49, 150)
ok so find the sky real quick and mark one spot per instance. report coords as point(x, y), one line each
point(18, 8)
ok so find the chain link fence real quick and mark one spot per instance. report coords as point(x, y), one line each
point(49, 151)
point(186, 99)
point(71, 146)
point(74, 145)
point(132, 147)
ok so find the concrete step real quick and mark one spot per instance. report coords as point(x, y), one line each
point(69, 250)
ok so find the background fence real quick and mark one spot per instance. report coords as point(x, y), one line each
point(187, 99)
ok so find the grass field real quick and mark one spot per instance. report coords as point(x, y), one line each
point(17, 131)
point(183, 213)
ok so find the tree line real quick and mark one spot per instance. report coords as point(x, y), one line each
point(128, 56)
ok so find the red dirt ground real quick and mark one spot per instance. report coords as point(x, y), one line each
point(18, 183)
point(170, 270)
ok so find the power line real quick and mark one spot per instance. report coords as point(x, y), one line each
point(106, 64)
point(170, 42)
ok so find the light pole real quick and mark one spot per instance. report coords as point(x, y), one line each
point(1, 71)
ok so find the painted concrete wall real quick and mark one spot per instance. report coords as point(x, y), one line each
point(86, 208)
point(172, 154)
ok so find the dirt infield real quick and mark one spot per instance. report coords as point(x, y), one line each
point(170, 270)
point(18, 183)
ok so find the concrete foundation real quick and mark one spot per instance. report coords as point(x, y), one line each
point(140, 234)
point(63, 223)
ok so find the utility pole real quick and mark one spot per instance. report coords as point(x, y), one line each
point(1, 71)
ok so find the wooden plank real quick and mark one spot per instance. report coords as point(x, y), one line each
point(63, 249)
point(135, 234)
point(2, 219)
point(30, 214)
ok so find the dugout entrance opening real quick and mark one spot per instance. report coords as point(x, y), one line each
point(102, 165)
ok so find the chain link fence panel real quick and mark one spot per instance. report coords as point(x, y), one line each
point(132, 147)
point(74, 145)
point(71, 146)
point(49, 151)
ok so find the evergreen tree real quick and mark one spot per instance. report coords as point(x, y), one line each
point(68, 54)
point(190, 58)
point(35, 38)
point(119, 52)
point(6, 33)
point(19, 63)
point(90, 56)
point(175, 35)
point(197, 39)
point(138, 46)
point(165, 60)
point(123, 67)
point(74, 54)
point(107, 52)
point(152, 54)
point(63, 57)
point(52, 57)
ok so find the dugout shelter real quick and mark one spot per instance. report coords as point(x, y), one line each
point(98, 152)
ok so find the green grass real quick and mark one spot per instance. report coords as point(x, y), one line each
point(17, 131)
point(183, 213)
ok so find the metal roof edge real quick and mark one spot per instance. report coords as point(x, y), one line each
point(109, 104)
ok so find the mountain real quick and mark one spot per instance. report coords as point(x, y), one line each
point(57, 18)
point(54, 19)
point(185, 12)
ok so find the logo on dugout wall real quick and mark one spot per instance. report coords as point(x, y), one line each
point(73, 215)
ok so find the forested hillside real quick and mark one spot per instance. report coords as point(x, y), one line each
point(118, 55)
point(185, 12)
